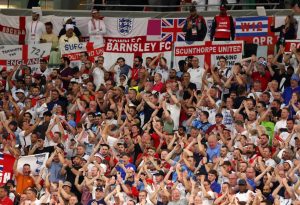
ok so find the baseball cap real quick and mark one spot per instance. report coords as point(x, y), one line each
point(289, 162)
point(223, 7)
point(159, 173)
point(219, 115)
point(99, 188)
point(242, 182)
point(20, 91)
point(295, 77)
point(67, 183)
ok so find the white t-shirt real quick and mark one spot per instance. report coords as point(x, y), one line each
point(175, 114)
point(196, 76)
point(244, 196)
point(206, 201)
point(280, 124)
point(98, 76)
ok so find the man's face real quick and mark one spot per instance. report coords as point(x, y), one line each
point(49, 29)
point(69, 33)
point(137, 63)
point(211, 177)
point(2, 193)
point(195, 62)
point(26, 170)
point(104, 150)
point(35, 17)
point(242, 188)
point(222, 63)
point(290, 124)
point(121, 62)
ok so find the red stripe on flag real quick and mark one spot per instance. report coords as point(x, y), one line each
point(25, 53)
point(22, 26)
point(207, 57)
point(3, 62)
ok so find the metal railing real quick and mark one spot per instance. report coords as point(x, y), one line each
point(186, 6)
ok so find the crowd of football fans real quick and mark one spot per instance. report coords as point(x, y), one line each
point(151, 134)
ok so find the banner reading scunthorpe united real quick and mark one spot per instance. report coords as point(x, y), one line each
point(11, 55)
point(209, 52)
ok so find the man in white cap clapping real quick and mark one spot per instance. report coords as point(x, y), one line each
point(69, 37)
point(96, 28)
point(34, 28)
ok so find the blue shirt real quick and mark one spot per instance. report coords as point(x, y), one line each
point(54, 170)
point(123, 172)
point(251, 183)
point(184, 168)
point(200, 125)
point(212, 153)
point(216, 187)
point(287, 94)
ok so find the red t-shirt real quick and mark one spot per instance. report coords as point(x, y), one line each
point(6, 201)
point(263, 79)
point(158, 87)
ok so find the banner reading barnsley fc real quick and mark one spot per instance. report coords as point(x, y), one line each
point(209, 52)
point(6, 167)
point(11, 55)
point(72, 51)
point(128, 48)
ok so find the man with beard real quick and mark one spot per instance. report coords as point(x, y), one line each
point(34, 29)
point(195, 26)
point(137, 67)
point(251, 153)
point(65, 73)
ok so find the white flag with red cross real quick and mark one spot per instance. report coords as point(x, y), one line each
point(11, 55)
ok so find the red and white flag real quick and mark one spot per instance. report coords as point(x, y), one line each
point(11, 55)
point(209, 52)
point(72, 51)
point(6, 168)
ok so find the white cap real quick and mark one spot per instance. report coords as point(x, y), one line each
point(69, 26)
point(289, 162)
point(37, 10)
point(20, 91)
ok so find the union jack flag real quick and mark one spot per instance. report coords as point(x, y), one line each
point(1, 156)
point(171, 30)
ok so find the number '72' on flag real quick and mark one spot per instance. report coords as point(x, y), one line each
point(251, 26)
